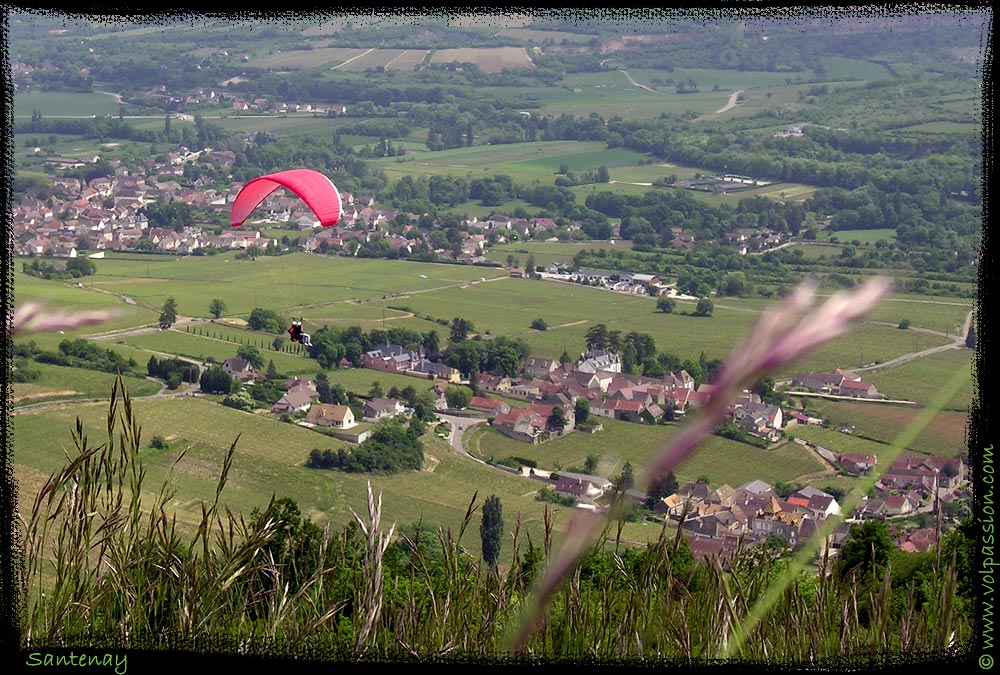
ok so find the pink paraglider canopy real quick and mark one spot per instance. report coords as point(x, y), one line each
point(315, 189)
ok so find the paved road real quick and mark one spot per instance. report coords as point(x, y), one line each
point(455, 438)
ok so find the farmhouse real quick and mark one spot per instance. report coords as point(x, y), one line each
point(819, 382)
point(858, 389)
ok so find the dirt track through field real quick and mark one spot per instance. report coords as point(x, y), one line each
point(731, 103)
point(44, 394)
point(571, 323)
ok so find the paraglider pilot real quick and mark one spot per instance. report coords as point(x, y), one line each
point(297, 335)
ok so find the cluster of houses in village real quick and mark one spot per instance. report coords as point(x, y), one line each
point(597, 377)
point(717, 520)
point(720, 520)
point(546, 384)
point(109, 212)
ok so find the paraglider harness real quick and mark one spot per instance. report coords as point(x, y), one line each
point(297, 335)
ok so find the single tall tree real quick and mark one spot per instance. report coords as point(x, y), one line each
point(626, 481)
point(491, 530)
point(168, 315)
point(216, 308)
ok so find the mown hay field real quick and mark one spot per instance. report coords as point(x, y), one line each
point(920, 379)
point(488, 59)
point(306, 58)
point(720, 460)
point(945, 435)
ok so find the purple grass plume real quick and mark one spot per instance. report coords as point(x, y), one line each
point(33, 317)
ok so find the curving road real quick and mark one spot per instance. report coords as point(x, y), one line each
point(457, 433)
point(957, 342)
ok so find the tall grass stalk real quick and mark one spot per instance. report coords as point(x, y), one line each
point(370, 600)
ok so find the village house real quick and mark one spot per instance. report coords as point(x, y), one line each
point(331, 415)
point(722, 549)
point(819, 503)
point(873, 508)
point(294, 400)
point(433, 369)
point(585, 488)
point(379, 408)
point(599, 359)
point(238, 368)
point(540, 368)
point(490, 406)
point(619, 409)
point(390, 358)
point(493, 384)
point(927, 474)
point(781, 518)
point(521, 424)
point(856, 464)
point(919, 540)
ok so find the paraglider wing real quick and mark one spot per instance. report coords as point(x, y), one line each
point(314, 188)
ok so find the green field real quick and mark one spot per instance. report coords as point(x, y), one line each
point(720, 460)
point(944, 127)
point(524, 162)
point(864, 236)
point(65, 383)
point(296, 282)
point(920, 379)
point(375, 293)
point(306, 58)
point(342, 291)
point(269, 460)
point(58, 104)
point(791, 192)
point(813, 251)
point(945, 435)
